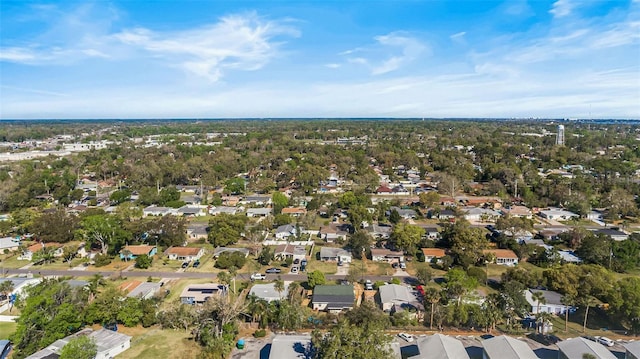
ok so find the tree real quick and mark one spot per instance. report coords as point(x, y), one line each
point(466, 243)
point(56, 226)
point(225, 229)
point(458, 284)
point(347, 340)
point(429, 199)
point(6, 288)
point(432, 296)
point(588, 301)
point(624, 299)
point(568, 300)
point(234, 186)
point(81, 347)
point(540, 300)
point(407, 237)
point(143, 261)
point(69, 253)
point(278, 285)
point(280, 201)
point(424, 275)
point(315, 278)
point(228, 260)
point(120, 196)
point(104, 231)
point(359, 242)
point(266, 256)
point(394, 216)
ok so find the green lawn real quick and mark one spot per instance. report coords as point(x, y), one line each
point(7, 329)
point(157, 343)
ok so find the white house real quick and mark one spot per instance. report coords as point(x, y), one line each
point(184, 253)
point(505, 257)
point(286, 231)
point(394, 297)
point(558, 214)
point(9, 244)
point(259, 212)
point(335, 255)
point(552, 302)
point(268, 291)
point(108, 342)
point(386, 255)
point(157, 211)
point(476, 214)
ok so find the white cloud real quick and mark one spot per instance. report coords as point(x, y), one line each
point(332, 66)
point(16, 54)
point(389, 53)
point(458, 35)
point(561, 8)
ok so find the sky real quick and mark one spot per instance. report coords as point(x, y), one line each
point(320, 59)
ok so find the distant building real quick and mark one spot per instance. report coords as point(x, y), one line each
point(505, 257)
point(200, 293)
point(576, 348)
point(552, 301)
point(504, 347)
point(560, 136)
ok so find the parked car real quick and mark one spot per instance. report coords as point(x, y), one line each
point(296, 261)
point(258, 276)
point(185, 264)
point(368, 285)
point(403, 265)
point(196, 264)
point(407, 337)
point(294, 270)
point(606, 341)
point(273, 270)
point(394, 265)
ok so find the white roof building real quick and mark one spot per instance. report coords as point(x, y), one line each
point(576, 348)
point(441, 347)
point(504, 347)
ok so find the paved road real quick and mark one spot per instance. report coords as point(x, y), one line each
point(177, 275)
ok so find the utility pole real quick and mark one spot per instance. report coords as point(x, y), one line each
point(516, 191)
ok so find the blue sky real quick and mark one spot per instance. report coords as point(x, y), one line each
point(212, 59)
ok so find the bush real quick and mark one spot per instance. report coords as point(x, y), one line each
point(102, 260)
point(395, 281)
point(477, 273)
point(231, 259)
point(143, 261)
point(260, 333)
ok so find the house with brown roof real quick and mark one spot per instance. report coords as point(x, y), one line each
point(133, 251)
point(433, 253)
point(294, 211)
point(184, 253)
point(518, 211)
point(505, 257)
point(27, 254)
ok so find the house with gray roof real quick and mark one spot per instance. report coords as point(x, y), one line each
point(197, 230)
point(576, 348)
point(259, 212)
point(395, 297)
point(404, 213)
point(223, 209)
point(287, 230)
point(333, 298)
point(108, 342)
point(333, 254)
point(9, 244)
point(552, 301)
point(504, 347)
point(200, 293)
point(145, 290)
point(291, 347)
point(633, 350)
point(256, 200)
point(158, 211)
point(441, 347)
point(192, 211)
point(268, 292)
point(615, 234)
point(219, 250)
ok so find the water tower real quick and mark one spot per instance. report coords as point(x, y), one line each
point(560, 136)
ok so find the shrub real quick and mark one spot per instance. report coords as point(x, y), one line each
point(477, 273)
point(260, 333)
point(231, 259)
point(102, 260)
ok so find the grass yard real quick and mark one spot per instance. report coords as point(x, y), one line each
point(7, 329)
point(156, 343)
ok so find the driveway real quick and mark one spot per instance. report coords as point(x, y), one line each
point(343, 269)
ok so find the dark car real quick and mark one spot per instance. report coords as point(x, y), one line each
point(196, 264)
point(273, 270)
point(297, 261)
point(185, 264)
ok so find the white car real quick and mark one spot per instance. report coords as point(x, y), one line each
point(606, 341)
point(407, 337)
point(294, 270)
point(258, 276)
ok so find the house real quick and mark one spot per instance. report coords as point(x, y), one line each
point(552, 234)
point(287, 230)
point(214, 211)
point(380, 231)
point(431, 232)
point(142, 290)
point(333, 298)
point(184, 253)
point(404, 213)
point(157, 211)
point(132, 252)
point(268, 291)
point(200, 293)
point(518, 211)
point(291, 347)
point(504, 347)
point(615, 234)
point(331, 234)
point(29, 252)
point(259, 212)
point(284, 251)
point(256, 200)
point(447, 214)
point(197, 231)
point(335, 255)
point(441, 347)
point(557, 214)
point(386, 255)
point(294, 211)
point(192, 211)
point(108, 342)
point(552, 302)
point(504, 257)
point(384, 190)
point(10, 244)
point(576, 348)
point(475, 214)
point(219, 250)
point(19, 286)
point(433, 253)
point(394, 298)
point(633, 350)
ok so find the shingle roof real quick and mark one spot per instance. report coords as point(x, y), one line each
point(504, 347)
point(338, 296)
point(502, 253)
point(574, 348)
point(138, 250)
point(633, 348)
point(184, 251)
point(441, 347)
point(290, 347)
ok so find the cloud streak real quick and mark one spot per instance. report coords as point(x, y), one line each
point(390, 53)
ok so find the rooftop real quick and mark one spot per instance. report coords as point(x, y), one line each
point(441, 347)
point(577, 347)
point(504, 347)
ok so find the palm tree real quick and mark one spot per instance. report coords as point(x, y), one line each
point(543, 319)
point(588, 301)
point(568, 300)
point(94, 283)
point(6, 288)
point(278, 285)
point(432, 295)
point(294, 296)
point(539, 298)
